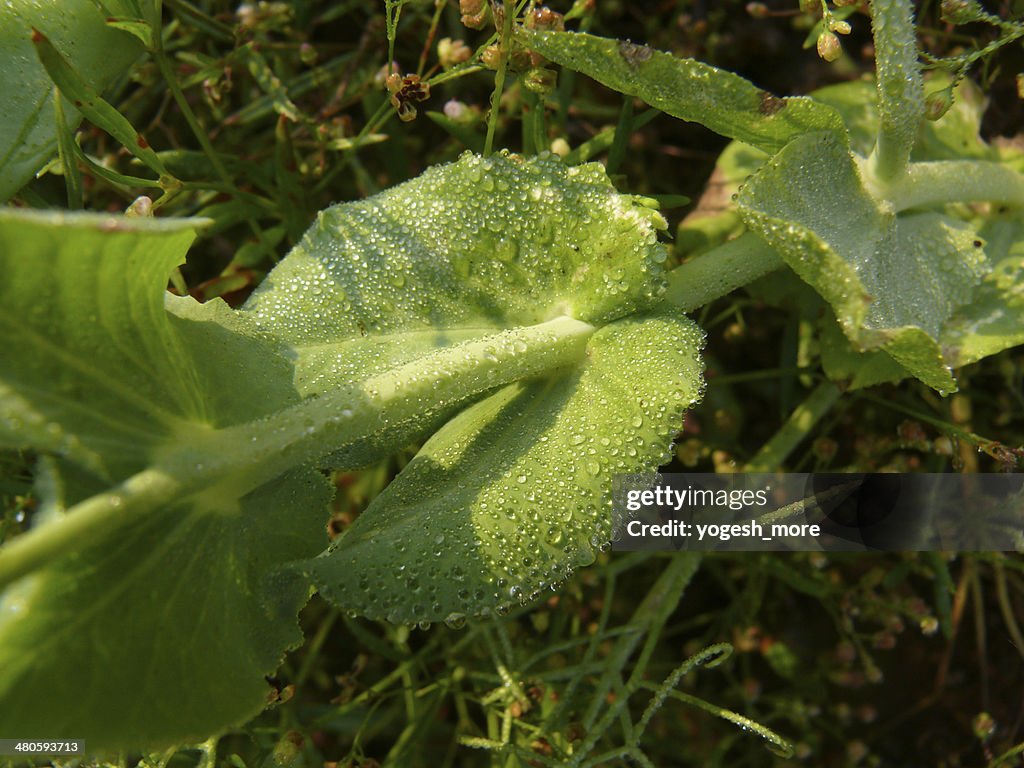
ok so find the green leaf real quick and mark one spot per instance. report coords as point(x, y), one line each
point(893, 281)
point(515, 491)
point(988, 321)
point(183, 434)
point(76, 88)
point(994, 320)
point(448, 258)
point(28, 135)
point(174, 592)
point(82, 322)
point(954, 136)
point(686, 88)
point(161, 632)
point(482, 243)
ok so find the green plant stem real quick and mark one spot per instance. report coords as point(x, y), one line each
point(720, 271)
point(499, 78)
point(900, 87)
point(136, 496)
point(800, 422)
point(650, 616)
point(949, 181)
point(244, 456)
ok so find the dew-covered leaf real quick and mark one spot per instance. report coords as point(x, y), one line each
point(463, 251)
point(459, 253)
point(111, 636)
point(99, 53)
point(161, 631)
point(515, 491)
point(994, 320)
point(952, 137)
point(479, 243)
point(182, 434)
point(685, 88)
point(893, 281)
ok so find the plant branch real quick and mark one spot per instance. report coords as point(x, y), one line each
point(721, 271)
point(955, 181)
point(505, 48)
point(900, 87)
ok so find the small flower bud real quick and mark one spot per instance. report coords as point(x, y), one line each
point(560, 147)
point(757, 10)
point(961, 11)
point(937, 103)
point(458, 111)
point(983, 725)
point(474, 12)
point(840, 27)
point(829, 47)
point(140, 207)
point(540, 80)
point(451, 52)
point(491, 56)
point(308, 55)
point(545, 19)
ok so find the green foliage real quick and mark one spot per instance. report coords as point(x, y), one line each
point(28, 132)
point(393, 318)
point(687, 89)
point(511, 312)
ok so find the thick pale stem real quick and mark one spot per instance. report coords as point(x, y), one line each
point(721, 271)
point(137, 495)
point(956, 181)
point(247, 455)
point(900, 87)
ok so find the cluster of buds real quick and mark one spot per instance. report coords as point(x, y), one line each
point(404, 91)
point(474, 13)
point(545, 19)
point(829, 47)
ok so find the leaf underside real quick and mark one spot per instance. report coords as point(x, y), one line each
point(127, 628)
point(515, 491)
point(110, 380)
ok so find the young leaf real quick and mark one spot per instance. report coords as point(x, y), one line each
point(809, 203)
point(686, 88)
point(28, 135)
point(988, 322)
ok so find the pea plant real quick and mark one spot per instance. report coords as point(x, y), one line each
point(513, 315)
